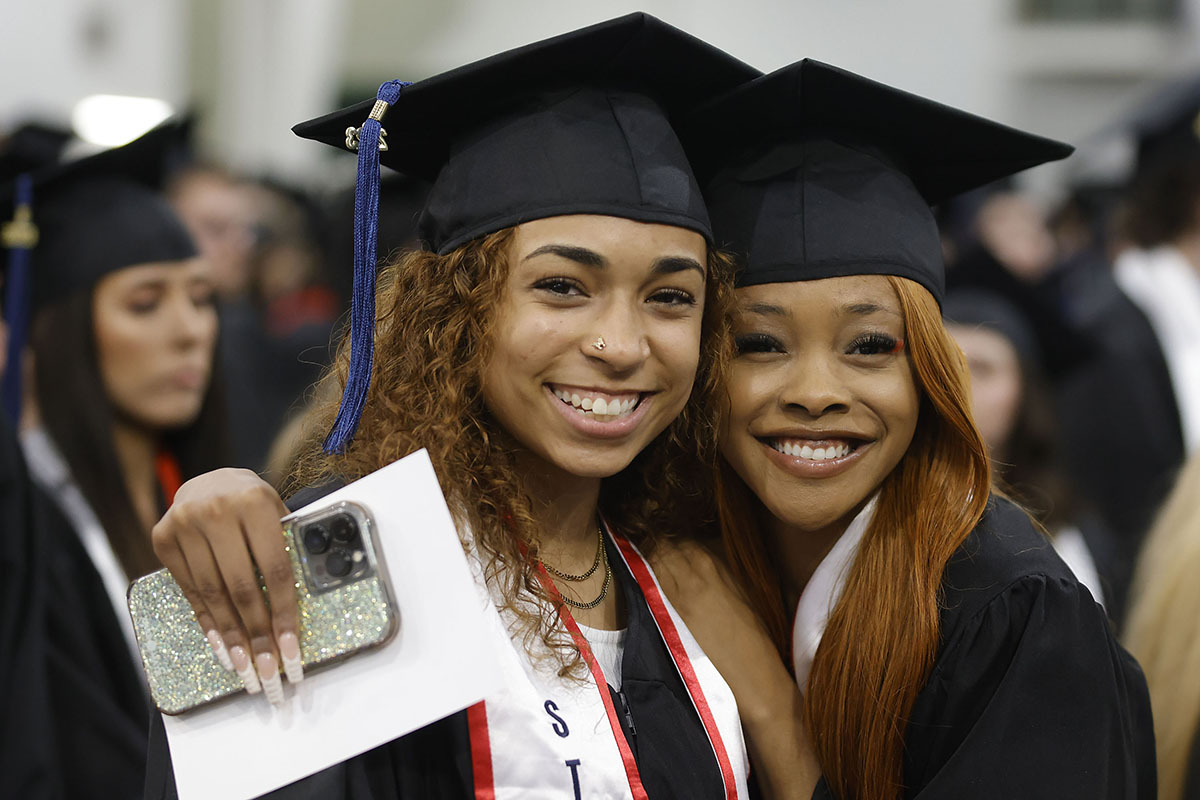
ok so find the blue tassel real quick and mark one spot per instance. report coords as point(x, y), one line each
point(362, 305)
point(20, 238)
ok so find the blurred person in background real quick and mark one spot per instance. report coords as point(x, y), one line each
point(1132, 412)
point(1008, 250)
point(280, 335)
point(1014, 411)
point(1162, 633)
point(277, 314)
point(28, 757)
point(122, 407)
point(218, 209)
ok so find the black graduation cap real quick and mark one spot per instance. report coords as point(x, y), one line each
point(814, 172)
point(575, 124)
point(30, 146)
point(1166, 125)
point(73, 223)
point(984, 308)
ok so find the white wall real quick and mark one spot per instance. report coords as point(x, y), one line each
point(255, 67)
point(944, 48)
point(55, 52)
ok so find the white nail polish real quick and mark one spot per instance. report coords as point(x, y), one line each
point(268, 673)
point(218, 647)
point(245, 670)
point(289, 652)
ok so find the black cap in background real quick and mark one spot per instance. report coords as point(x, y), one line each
point(814, 172)
point(101, 213)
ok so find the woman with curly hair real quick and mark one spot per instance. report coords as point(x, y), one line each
point(942, 648)
point(557, 350)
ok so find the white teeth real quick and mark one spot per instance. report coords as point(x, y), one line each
point(809, 453)
point(597, 407)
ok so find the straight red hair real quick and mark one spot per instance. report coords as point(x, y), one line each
point(882, 637)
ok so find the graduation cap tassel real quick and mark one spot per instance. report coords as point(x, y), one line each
point(368, 140)
point(19, 237)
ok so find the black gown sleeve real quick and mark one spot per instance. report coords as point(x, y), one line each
point(28, 761)
point(1032, 697)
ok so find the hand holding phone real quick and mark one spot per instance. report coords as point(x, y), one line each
point(221, 538)
point(345, 606)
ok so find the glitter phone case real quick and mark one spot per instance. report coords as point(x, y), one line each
point(346, 607)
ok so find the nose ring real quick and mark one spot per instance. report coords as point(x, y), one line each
point(599, 343)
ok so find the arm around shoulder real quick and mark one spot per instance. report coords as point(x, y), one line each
point(731, 634)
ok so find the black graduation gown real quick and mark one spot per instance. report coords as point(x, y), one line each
point(662, 727)
point(1030, 695)
point(76, 713)
point(28, 761)
point(1122, 401)
point(100, 707)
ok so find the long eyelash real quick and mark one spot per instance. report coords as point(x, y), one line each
point(755, 343)
point(882, 343)
point(679, 295)
point(547, 283)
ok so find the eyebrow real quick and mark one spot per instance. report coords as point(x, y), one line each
point(671, 264)
point(768, 309)
point(866, 309)
point(580, 255)
point(590, 258)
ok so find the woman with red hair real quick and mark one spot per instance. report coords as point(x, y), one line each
point(942, 648)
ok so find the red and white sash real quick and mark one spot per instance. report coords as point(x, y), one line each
point(549, 737)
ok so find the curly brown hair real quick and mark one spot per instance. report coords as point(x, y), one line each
point(432, 343)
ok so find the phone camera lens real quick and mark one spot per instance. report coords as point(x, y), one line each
point(338, 563)
point(344, 530)
point(316, 539)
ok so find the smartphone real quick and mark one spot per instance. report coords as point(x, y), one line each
point(346, 607)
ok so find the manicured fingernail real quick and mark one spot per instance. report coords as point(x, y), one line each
point(289, 651)
point(268, 673)
point(244, 669)
point(218, 647)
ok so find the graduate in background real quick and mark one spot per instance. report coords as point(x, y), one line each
point(28, 758)
point(121, 409)
point(1012, 407)
point(943, 649)
point(1140, 392)
point(556, 350)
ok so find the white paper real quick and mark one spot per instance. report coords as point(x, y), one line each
point(439, 662)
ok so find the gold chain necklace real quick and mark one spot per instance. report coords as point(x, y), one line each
point(585, 575)
point(601, 557)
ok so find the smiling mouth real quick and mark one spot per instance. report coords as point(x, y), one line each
point(598, 406)
point(829, 449)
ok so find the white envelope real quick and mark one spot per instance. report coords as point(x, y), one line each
point(440, 661)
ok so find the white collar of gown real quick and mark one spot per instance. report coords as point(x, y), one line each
point(1166, 287)
point(50, 470)
point(821, 593)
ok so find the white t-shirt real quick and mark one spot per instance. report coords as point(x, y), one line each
point(608, 647)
